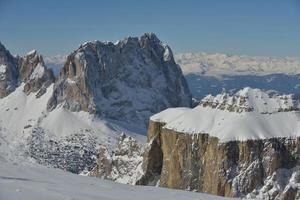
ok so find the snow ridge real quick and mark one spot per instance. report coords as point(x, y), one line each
point(249, 114)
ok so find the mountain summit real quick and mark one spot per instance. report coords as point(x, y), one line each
point(29, 69)
point(127, 80)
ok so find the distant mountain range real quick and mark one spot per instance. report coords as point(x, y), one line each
point(224, 64)
point(214, 73)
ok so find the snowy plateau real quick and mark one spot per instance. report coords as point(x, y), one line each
point(249, 114)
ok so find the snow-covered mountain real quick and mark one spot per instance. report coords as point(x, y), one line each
point(29, 70)
point(242, 145)
point(103, 90)
point(213, 73)
point(129, 80)
point(91, 118)
point(30, 133)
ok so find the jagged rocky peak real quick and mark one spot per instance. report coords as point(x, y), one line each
point(34, 73)
point(8, 72)
point(129, 79)
point(29, 69)
point(248, 99)
point(28, 63)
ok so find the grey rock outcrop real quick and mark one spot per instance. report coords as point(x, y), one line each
point(128, 80)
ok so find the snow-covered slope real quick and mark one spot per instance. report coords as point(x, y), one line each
point(55, 138)
point(249, 114)
point(220, 64)
point(34, 183)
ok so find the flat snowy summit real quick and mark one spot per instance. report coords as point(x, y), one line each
point(247, 114)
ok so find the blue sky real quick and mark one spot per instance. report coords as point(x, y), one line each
point(253, 27)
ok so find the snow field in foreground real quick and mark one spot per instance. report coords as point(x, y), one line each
point(34, 183)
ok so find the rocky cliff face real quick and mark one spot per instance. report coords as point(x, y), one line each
point(266, 169)
point(29, 69)
point(128, 80)
point(190, 149)
point(34, 73)
point(8, 72)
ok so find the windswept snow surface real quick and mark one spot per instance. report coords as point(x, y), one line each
point(266, 118)
point(36, 182)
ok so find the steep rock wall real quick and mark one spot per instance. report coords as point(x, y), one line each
point(202, 163)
